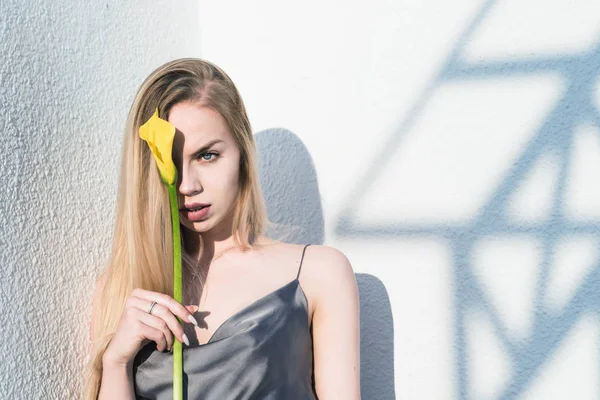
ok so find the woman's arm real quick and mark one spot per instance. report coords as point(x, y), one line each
point(116, 382)
point(117, 379)
point(335, 324)
point(136, 327)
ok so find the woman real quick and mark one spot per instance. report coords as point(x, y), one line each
point(267, 320)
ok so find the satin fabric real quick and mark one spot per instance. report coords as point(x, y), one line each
point(264, 351)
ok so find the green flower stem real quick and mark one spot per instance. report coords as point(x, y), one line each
point(177, 293)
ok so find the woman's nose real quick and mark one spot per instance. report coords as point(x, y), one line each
point(189, 183)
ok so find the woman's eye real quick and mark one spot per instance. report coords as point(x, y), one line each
point(208, 156)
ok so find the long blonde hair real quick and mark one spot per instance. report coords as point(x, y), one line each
point(142, 251)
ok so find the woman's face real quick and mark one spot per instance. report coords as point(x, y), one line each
point(208, 163)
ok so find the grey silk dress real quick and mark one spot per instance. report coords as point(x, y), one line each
point(263, 351)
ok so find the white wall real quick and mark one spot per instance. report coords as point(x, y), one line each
point(450, 149)
point(68, 74)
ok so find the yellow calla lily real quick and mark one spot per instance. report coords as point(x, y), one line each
point(159, 135)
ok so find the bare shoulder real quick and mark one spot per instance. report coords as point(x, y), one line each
point(327, 263)
point(325, 270)
point(319, 261)
point(328, 273)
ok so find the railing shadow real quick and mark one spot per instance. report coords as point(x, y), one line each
point(555, 135)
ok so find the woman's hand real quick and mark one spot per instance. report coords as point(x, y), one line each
point(137, 327)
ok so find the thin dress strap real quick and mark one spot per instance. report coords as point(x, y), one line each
point(302, 259)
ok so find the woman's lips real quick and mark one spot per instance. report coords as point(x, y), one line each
point(195, 216)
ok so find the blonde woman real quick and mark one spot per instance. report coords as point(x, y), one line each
point(267, 320)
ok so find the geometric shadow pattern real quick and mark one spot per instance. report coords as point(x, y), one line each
point(575, 107)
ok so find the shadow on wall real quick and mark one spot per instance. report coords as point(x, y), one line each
point(291, 190)
point(376, 340)
point(289, 183)
point(556, 135)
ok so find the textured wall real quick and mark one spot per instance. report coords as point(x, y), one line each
point(452, 151)
point(68, 73)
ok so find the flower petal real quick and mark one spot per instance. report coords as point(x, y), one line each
point(159, 134)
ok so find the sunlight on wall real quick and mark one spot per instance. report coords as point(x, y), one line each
point(572, 371)
point(458, 151)
point(534, 28)
point(533, 200)
point(583, 191)
point(507, 269)
point(574, 258)
point(489, 366)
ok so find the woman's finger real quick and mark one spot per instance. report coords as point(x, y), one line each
point(155, 335)
point(166, 301)
point(158, 324)
point(163, 314)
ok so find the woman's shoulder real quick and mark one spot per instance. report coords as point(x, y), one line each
point(327, 268)
point(325, 271)
point(325, 261)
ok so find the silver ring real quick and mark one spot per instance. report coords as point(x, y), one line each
point(151, 307)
